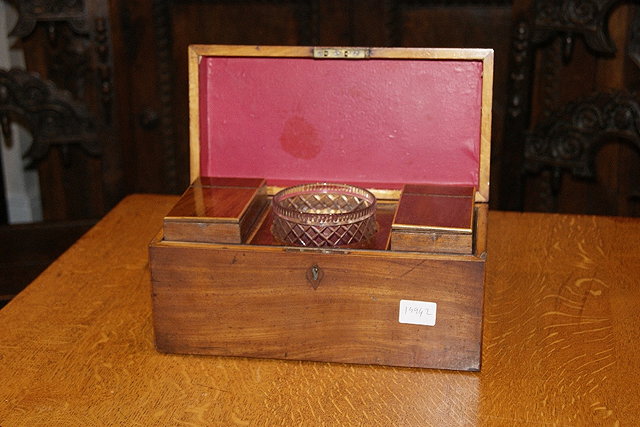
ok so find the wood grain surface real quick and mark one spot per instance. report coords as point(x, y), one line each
point(216, 210)
point(560, 342)
point(257, 301)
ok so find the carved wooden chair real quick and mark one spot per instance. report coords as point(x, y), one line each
point(570, 138)
point(567, 138)
point(48, 113)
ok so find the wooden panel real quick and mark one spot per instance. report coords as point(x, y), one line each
point(261, 304)
point(143, 81)
point(417, 240)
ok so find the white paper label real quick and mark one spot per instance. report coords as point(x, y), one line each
point(417, 312)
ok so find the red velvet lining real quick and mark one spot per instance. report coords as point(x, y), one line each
point(376, 120)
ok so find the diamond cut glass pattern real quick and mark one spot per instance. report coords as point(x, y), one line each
point(321, 215)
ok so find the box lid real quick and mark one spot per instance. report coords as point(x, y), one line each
point(376, 116)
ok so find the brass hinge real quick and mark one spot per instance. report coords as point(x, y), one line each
point(340, 53)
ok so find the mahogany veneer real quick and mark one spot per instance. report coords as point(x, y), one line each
point(217, 210)
point(434, 219)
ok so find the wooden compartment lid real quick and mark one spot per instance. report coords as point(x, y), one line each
point(383, 115)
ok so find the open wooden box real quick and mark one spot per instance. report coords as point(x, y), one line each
point(410, 124)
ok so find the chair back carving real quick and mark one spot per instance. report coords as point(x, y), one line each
point(567, 137)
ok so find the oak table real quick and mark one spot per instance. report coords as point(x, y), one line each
point(561, 333)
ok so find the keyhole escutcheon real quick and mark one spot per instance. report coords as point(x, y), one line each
point(314, 275)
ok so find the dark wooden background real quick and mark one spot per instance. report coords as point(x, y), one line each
point(126, 62)
point(140, 107)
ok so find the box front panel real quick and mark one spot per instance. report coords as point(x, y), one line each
point(376, 120)
point(238, 301)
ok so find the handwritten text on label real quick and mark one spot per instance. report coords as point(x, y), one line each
point(417, 312)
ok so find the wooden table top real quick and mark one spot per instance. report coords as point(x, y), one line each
point(561, 334)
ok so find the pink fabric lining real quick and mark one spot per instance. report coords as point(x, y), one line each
point(377, 120)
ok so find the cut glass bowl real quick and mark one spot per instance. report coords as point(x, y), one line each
point(322, 214)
